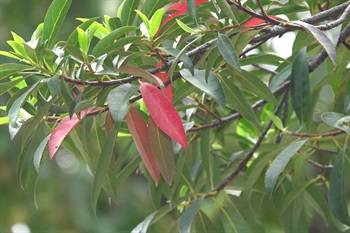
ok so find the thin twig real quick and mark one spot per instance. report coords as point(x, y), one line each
point(318, 165)
point(311, 135)
point(249, 155)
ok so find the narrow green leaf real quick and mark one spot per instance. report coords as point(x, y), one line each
point(98, 50)
point(322, 39)
point(338, 188)
point(276, 120)
point(54, 19)
point(143, 226)
point(144, 19)
point(183, 91)
point(156, 21)
point(191, 8)
point(185, 27)
point(279, 164)
point(186, 218)
point(16, 106)
point(280, 77)
point(233, 222)
point(254, 85)
point(300, 86)
point(183, 57)
point(238, 101)
point(83, 40)
point(102, 166)
point(118, 101)
point(226, 9)
point(212, 87)
point(73, 38)
point(4, 87)
point(142, 73)
point(54, 85)
point(83, 105)
point(128, 169)
point(126, 11)
point(9, 69)
point(227, 51)
point(38, 154)
point(162, 150)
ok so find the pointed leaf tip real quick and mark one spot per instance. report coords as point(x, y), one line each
point(163, 113)
point(62, 130)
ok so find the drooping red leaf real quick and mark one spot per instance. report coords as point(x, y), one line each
point(62, 130)
point(162, 150)
point(139, 132)
point(179, 8)
point(163, 113)
point(165, 77)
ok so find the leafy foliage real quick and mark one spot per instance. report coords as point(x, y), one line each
point(217, 131)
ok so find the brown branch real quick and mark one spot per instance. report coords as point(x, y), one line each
point(310, 135)
point(321, 166)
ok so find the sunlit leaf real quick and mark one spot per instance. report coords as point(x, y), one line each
point(5, 87)
point(9, 69)
point(54, 19)
point(276, 120)
point(163, 113)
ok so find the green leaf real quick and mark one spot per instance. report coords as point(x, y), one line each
point(185, 27)
point(186, 218)
point(300, 86)
point(233, 222)
point(118, 101)
point(99, 48)
point(226, 9)
point(276, 120)
point(238, 101)
point(338, 188)
point(4, 87)
point(191, 8)
point(183, 57)
point(162, 150)
point(337, 120)
point(38, 154)
point(144, 19)
point(126, 11)
point(212, 87)
point(183, 91)
point(54, 85)
point(254, 85)
point(227, 51)
point(16, 106)
point(73, 38)
point(102, 166)
point(279, 164)
point(83, 40)
point(54, 19)
point(83, 105)
point(156, 21)
point(322, 39)
point(128, 170)
point(143, 226)
point(9, 69)
point(280, 78)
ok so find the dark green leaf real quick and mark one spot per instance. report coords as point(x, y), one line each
point(126, 11)
point(226, 9)
point(238, 101)
point(280, 77)
point(38, 154)
point(339, 184)
point(300, 87)
point(102, 166)
point(183, 57)
point(118, 101)
point(227, 51)
point(54, 85)
point(254, 85)
point(128, 169)
point(9, 69)
point(234, 222)
point(279, 164)
point(322, 39)
point(111, 37)
point(186, 218)
point(54, 19)
point(191, 7)
point(212, 87)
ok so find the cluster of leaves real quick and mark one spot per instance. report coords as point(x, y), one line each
point(221, 137)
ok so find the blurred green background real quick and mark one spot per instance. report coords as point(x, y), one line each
point(64, 185)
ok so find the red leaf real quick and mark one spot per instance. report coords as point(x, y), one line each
point(62, 130)
point(139, 132)
point(163, 113)
point(256, 21)
point(165, 77)
point(180, 9)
